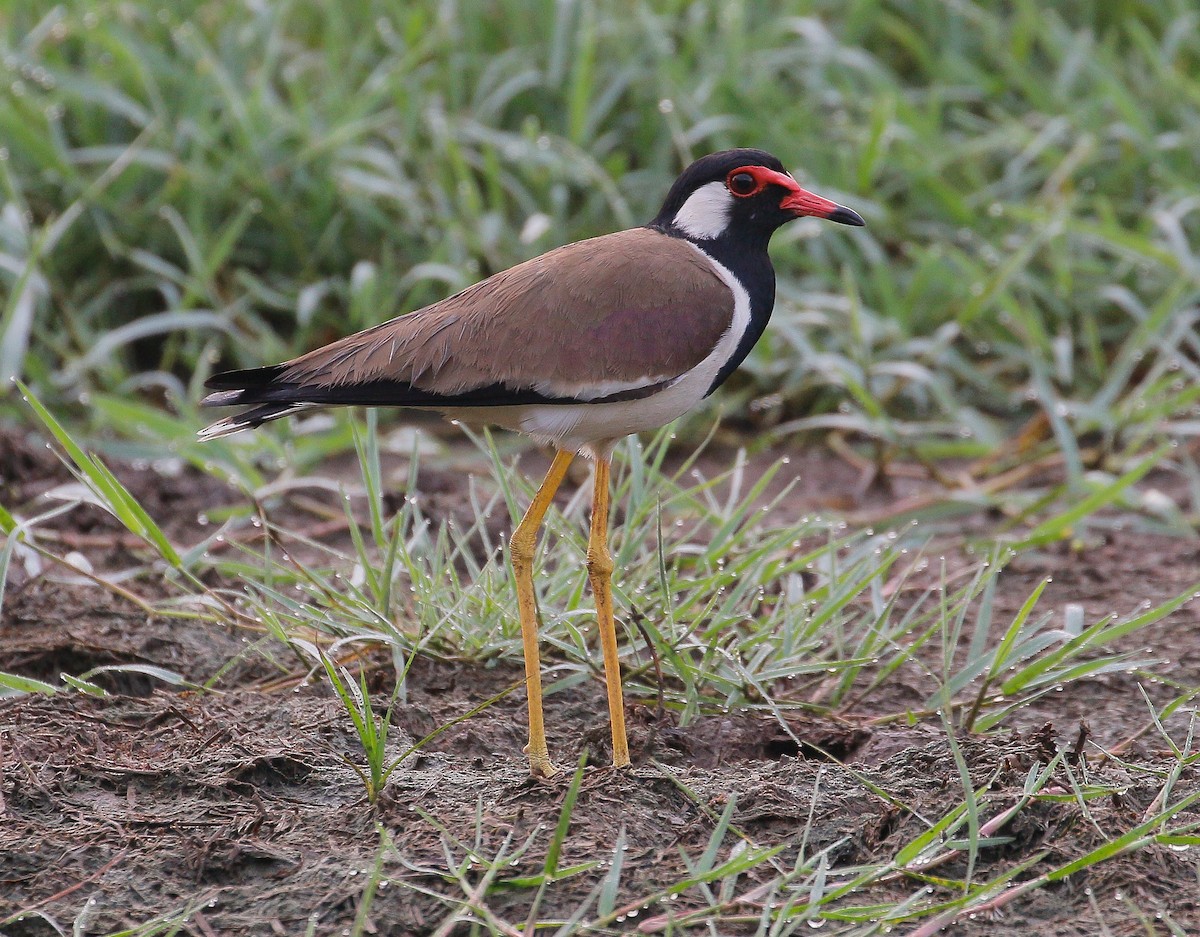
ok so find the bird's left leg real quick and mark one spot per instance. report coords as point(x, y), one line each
point(521, 549)
point(600, 567)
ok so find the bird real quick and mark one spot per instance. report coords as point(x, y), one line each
point(576, 348)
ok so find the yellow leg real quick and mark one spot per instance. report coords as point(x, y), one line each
point(521, 547)
point(600, 567)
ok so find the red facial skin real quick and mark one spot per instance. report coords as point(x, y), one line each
point(798, 201)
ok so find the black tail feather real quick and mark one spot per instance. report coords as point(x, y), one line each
point(269, 397)
point(245, 378)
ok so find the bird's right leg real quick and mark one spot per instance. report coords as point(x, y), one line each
point(522, 547)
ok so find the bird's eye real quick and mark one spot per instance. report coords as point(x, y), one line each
point(742, 183)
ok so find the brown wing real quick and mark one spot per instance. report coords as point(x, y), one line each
point(612, 318)
point(636, 307)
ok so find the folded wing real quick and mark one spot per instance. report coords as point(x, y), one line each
point(611, 318)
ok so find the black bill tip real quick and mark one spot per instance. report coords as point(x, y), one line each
point(843, 215)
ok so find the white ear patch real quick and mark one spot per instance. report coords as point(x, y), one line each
point(705, 214)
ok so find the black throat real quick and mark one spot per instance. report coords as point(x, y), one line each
point(745, 256)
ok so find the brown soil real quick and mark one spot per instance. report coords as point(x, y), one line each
point(239, 802)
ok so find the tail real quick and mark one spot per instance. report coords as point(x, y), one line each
point(255, 387)
point(280, 390)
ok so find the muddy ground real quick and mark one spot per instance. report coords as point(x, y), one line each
point(239, 805)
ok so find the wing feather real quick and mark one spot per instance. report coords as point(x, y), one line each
point(608, 318)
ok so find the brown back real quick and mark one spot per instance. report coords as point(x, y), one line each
point(624, 308)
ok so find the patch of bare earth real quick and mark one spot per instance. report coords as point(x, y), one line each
point(240, 803)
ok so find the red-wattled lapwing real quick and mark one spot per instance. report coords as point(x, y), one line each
point(576, 348)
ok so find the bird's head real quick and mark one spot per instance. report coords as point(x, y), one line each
point(741, 193)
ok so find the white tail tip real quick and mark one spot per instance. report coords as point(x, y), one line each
point(225, 427)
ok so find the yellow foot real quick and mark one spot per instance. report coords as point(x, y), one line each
point(540, 765)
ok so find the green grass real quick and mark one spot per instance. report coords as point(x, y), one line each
point(196, 183)
point(744, 615)
point(191, 186)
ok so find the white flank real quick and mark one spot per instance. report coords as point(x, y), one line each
point(596, 389)
point(705, 214)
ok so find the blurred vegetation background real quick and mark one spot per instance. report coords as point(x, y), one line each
point(193, 185)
